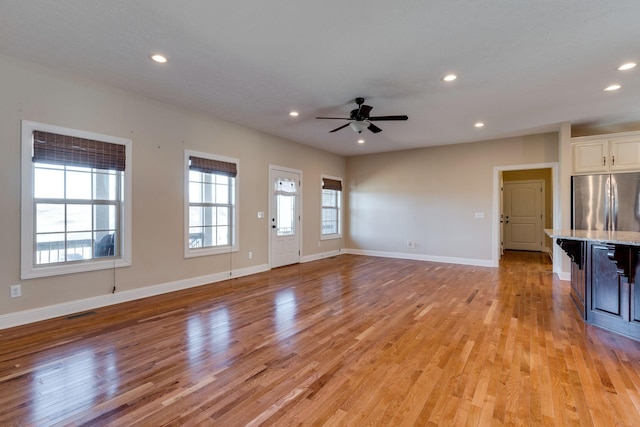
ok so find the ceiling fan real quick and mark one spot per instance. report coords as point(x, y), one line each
point(360, 120)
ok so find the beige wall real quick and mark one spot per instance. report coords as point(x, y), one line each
point(431, 195)
point(428, 196)
point(537, 174)
point(160, 134)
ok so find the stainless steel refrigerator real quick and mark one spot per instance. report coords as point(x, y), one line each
point(606, 202)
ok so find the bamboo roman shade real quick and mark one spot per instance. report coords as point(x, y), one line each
point(74, 151)
point(213, 166)
point(331, 184)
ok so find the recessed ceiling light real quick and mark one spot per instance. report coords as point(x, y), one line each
point(449, 77)
point(159, 58)
point(361, 141)
point(294, 114)
point(612, 87)
point(479, 125)
point(627, 66)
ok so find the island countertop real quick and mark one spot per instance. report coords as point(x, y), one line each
point(630, 238)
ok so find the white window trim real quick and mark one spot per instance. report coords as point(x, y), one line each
point(235, 233)
point(28, 270)
point(340, 216)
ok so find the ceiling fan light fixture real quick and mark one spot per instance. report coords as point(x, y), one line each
point(359, 126)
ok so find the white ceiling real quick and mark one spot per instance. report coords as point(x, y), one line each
point(523, 66)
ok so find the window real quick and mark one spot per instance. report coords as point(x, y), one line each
point(210, 204)
point(331, 204)
point(76, 201)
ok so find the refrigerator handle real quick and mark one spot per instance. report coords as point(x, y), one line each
point(614, 204)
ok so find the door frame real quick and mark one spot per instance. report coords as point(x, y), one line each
point(273, 168)
point(557, 215)
point(542, 204)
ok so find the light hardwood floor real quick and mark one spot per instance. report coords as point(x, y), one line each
point(350, 340)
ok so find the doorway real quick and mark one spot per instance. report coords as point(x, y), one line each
point(285, 231)
point(551, 202)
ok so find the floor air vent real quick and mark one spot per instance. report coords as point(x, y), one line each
point(83, 314)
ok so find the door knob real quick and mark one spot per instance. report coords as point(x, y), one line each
point(273, 226)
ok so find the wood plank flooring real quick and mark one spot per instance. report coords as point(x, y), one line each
point(351, 340)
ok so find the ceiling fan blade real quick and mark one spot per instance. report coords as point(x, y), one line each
point(373, 128)
point(365, 110)
point(334, 118)
point(338, 128)
point(387, 118)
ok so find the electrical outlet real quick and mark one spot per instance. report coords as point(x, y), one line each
point(250, 255)
point(16, 291)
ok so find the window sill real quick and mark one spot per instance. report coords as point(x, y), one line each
point(331, 237)
point(79, 267)
point(194, 253)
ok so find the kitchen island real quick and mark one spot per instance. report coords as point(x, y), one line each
point(604, 266)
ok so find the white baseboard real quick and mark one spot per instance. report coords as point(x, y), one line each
point(49, 312)
point(315, 257)
point(421, 257)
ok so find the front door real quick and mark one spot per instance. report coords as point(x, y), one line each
point(523, 212)
point(285, 216)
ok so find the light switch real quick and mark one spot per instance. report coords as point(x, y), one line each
point(479, 215)
point(260, 215)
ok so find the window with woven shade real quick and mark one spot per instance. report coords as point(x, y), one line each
point(210, 204)
point(76, 197)
point(331, 219)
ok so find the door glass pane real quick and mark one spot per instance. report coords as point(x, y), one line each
point(285, 220)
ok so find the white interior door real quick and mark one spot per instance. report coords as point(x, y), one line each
point(523, 214)
point(285, 216)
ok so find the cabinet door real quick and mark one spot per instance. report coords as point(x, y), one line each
point(605, 283)
point(625, 154)
point(590, 156)
point(608, 292)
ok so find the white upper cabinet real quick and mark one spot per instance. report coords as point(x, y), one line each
point(625, 153)
point(606, 153)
